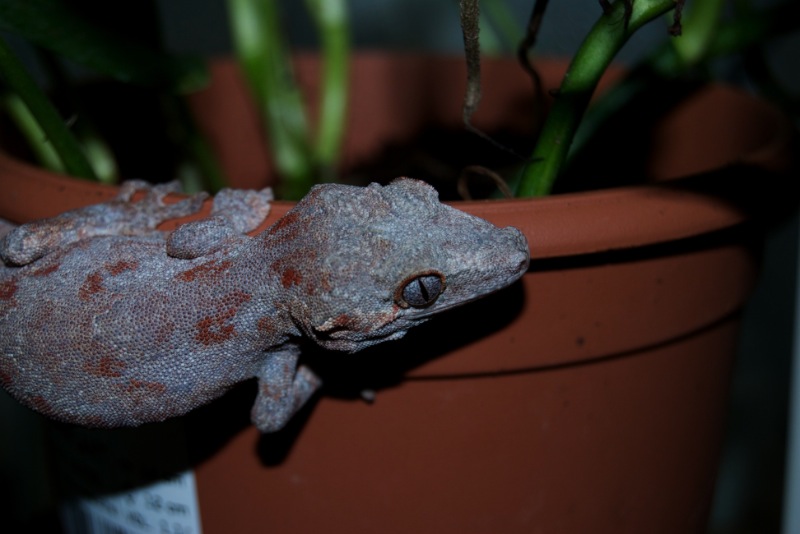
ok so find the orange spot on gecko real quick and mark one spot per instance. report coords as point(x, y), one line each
point(7, 289)
point(286, 221)
point(106, 367)
point(215, 328)
point(91, 286)
point(285, 267)
point(344, 321)
point(204, 271)
point(291, 277)
point(44, 271)
point(120, 267)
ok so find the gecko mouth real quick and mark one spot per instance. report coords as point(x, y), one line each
point(431, 312)
point(346, 343)
point(350, 338)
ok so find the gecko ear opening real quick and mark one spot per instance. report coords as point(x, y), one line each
point(420, 290)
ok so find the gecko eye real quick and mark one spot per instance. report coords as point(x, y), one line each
point(420, 290)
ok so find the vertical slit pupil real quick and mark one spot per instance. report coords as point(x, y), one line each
point(423, 290)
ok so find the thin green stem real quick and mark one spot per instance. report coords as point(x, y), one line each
point(743, 34)
point(266, 64)
point(700, 24)
point(27, 125)
point(95, 147)
point(590, 62)
point(332, 23)
point(56, 133)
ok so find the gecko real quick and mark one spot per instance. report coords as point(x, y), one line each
point(108, 321)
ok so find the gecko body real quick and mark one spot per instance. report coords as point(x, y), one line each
point(107, 321)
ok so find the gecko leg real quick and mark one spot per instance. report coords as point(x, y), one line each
point(283, 388)
point(242, 209)
point(234, 212)
point(31, 241)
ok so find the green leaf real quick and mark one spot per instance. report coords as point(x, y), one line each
point(42, 117)
point(68, 29)
point(264, 58)
point(700, 24)
point(596, 52)
point(331, 19)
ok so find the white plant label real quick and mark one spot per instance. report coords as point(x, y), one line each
point(166, 507)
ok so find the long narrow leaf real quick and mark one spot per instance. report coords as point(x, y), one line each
point(17, 79)
point(332, 22)
point(265, 61)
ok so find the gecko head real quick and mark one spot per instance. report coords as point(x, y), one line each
point(365, 264)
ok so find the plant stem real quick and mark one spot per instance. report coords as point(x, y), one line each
point(741, 35)
point(63, 142)
point(61, 89)
point(590, 62)
point(470, 29)
point(700, 28)
point(266, 64)
point(331, 19)
point(27, 125)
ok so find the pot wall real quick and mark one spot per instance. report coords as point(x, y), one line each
point(588, 398)
point(522, 430)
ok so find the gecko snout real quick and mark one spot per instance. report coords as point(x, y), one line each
point(518, 252)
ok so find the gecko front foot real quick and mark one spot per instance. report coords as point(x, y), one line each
point(242, 209)
point(234, 212)
point(125, 217)
point(121, 216)
point(281, 395)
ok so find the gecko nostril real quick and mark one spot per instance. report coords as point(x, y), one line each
point(523, 264)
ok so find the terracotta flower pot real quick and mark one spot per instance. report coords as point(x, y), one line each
point(590, 397)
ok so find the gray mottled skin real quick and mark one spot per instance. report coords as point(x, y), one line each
point(106, 321)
